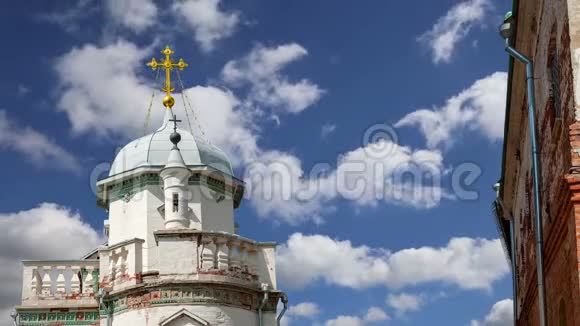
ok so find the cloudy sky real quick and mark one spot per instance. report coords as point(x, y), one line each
point(368, 134)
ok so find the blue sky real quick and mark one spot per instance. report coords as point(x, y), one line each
point(303, 83)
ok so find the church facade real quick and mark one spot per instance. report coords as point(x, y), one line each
point(547, 32)
point(173, 257)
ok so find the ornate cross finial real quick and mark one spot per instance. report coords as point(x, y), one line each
point(167, 64)
point(175, 121)
point(175, 137)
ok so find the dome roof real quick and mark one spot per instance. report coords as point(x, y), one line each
point(153, 150)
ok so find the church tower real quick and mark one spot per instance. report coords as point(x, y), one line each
point(172, 257)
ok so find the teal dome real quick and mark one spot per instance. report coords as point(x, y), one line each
point(153, 151)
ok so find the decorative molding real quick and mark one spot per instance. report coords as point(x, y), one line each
point(142, 298)
point(59, 318)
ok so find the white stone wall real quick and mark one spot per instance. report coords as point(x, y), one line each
point(215, 315)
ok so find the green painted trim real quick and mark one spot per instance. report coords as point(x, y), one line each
point(60, 318)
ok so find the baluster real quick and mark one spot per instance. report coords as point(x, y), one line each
point(243, 257)
point(208, 254)
point(253, 260)
point(60, 280)
point(111, 268)
point(234, 254)
point(88, 281)
point(75, 284)
point(119, 268)
point(35, 282)
point(46, 281)
point(222, 254)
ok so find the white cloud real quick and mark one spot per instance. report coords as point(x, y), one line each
point(48, 231)
point(304, 309)
point(209, 23)
point(70, 19)
point(345, 321)
point(327, 129)
point(501, 314)
point(453, 27)
point(405, 302)
point(465, 262)
point(278, 187)
point(97, 82)
point(136, 15)
point(261, 70)
point(480, 107)
point(375, 314)
point(35, 146)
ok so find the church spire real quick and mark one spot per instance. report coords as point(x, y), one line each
point(167, 64)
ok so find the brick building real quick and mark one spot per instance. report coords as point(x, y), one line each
point(548, 32)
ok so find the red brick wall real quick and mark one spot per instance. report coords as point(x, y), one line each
point(544, 34)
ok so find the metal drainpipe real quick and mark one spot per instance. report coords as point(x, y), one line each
point(15, 318)
point(285, 302)
point(262, 304)
point(536, 176)
point(106, 305)
point(513, 250)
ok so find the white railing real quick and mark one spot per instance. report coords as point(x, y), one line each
point(228, 254)
point(121, 264)
point(59, 279)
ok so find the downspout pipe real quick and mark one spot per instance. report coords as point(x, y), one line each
point(14, 315)
point(505, 31)
point(262, 305)
point(106, 305)
point(513, 251)
point(285, 302)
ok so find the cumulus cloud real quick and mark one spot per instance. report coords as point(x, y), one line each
point(102, 81)
point(136, 15)
point(207, 20)
point(304, 309)
point(501, 314)
point(48, 231)
point(35, 146)
point(261, 70)
point(278, 186)
point(405, 302)
point(481, 107)
point(373, 314)
point(464, 262)
point(453, 27)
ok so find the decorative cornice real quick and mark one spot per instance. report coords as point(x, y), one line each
point(190, 293)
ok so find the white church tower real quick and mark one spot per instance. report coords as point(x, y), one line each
point(172, 257)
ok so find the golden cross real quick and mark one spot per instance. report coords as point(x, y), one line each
point(167, 64)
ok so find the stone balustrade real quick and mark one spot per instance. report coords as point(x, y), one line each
point(229, 254)
point(58, 280)
point(121, 264)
